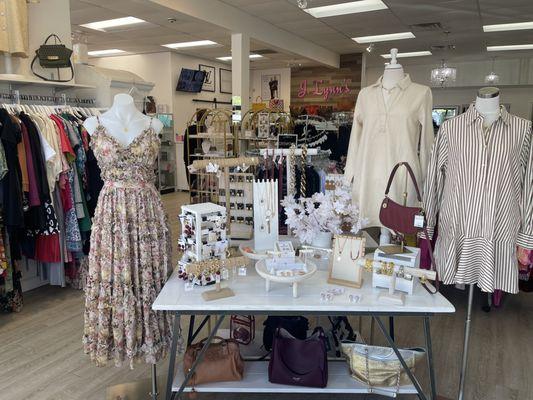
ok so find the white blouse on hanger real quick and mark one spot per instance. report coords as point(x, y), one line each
point(384, 135)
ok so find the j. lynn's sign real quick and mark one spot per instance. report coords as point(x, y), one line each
point(319, 89)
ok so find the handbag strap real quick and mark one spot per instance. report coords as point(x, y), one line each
point(433, 263)
point(56, 39)
point(52, 80)
point(411, 174)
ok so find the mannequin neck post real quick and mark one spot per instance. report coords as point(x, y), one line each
point(488, 105)
point(391, 76)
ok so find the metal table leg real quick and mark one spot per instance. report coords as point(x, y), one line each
point(413, 379)
point(466, 343)
point(154, 394)
point(191, 327)
point(199, 357)
point(172, 358)
point(391, 327)
point(429, 350)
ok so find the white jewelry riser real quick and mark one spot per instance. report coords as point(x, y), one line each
point(263, 240)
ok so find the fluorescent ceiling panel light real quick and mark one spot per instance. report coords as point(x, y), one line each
point(113, 23)
point(511, 47)
point(384, 38)
point(409, 54)
point(228, 58)
point(352, 7)
point(108, 52)
point(508, 27)
point(183, 45)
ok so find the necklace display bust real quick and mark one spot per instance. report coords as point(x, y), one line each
point(123, 121)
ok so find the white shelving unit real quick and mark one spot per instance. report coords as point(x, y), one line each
point(37, 82)
point(256, 381)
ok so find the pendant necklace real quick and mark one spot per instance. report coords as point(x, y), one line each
point(341, 248)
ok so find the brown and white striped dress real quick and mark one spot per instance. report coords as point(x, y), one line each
point(480, 183)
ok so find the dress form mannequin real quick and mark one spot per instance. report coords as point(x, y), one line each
point(123, 121)
point(392, 74)
point(488, 105)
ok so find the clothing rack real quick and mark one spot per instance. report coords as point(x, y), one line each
point(214, 101)
point(62, 99)
point(286, 152)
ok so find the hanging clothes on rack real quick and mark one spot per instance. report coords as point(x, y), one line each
point(44, 190)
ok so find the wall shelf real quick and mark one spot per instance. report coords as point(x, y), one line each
point(37, 82)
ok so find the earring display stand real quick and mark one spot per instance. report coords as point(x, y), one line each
point(266, 214)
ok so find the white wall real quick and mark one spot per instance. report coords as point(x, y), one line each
point(516, 82)
point(284, 87)
point(183, 105)
point(154, 67)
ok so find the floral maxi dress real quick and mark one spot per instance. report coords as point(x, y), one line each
point(130, 255)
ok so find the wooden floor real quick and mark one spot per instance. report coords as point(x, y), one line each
point(41, 355)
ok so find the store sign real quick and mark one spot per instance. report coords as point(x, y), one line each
point(318, 88)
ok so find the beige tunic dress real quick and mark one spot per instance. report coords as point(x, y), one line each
point(384, 135)
point(14, 27)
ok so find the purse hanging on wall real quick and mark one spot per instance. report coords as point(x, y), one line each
point(55, 55)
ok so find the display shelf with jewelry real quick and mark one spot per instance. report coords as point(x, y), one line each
point(343, 266)
point(231, 185)
point(261, 129)
point(203, 234)
point(239, 204)
point(266, 215)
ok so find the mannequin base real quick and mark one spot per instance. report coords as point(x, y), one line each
point(13, 77)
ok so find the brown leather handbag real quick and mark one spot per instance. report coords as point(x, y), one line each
point(222, 362)
point(406, 220)
point(400, 218)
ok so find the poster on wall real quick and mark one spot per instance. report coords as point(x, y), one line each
point(225, 80)
point(270, 85)
point(210, 78)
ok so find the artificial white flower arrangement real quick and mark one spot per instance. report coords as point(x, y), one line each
point(323, 212)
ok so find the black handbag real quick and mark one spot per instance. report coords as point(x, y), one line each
point(296, 326)
point(55, 55)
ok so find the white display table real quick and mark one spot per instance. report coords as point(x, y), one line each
point(252, 299)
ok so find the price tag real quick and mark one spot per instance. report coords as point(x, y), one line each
point(419, 221)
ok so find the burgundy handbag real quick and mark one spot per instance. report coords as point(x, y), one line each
point(299, 362)
point(402, 219)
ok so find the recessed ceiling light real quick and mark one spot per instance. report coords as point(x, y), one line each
point(508, 27)
point(409, 54)
point(511, 47)
point(196, 43)
point(228, 58)
point(384, 38)
point(113, 23)
point(108, 52)
point(352, 7)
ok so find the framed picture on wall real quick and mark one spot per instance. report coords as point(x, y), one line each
point(270, 85)
point(210, 78)
point(225, 80)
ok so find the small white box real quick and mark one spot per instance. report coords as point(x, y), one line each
point(410, 259)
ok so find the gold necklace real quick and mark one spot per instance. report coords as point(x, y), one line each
point(341, 248)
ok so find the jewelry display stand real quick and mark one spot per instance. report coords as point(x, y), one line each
point(203, 231)
point(266, 215)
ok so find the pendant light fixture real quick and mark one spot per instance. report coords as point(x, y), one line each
point(443, 75)
point(493, 78)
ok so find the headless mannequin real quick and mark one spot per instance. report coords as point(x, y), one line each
point(392, 74)
point(123, 121)
point(488, 105)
